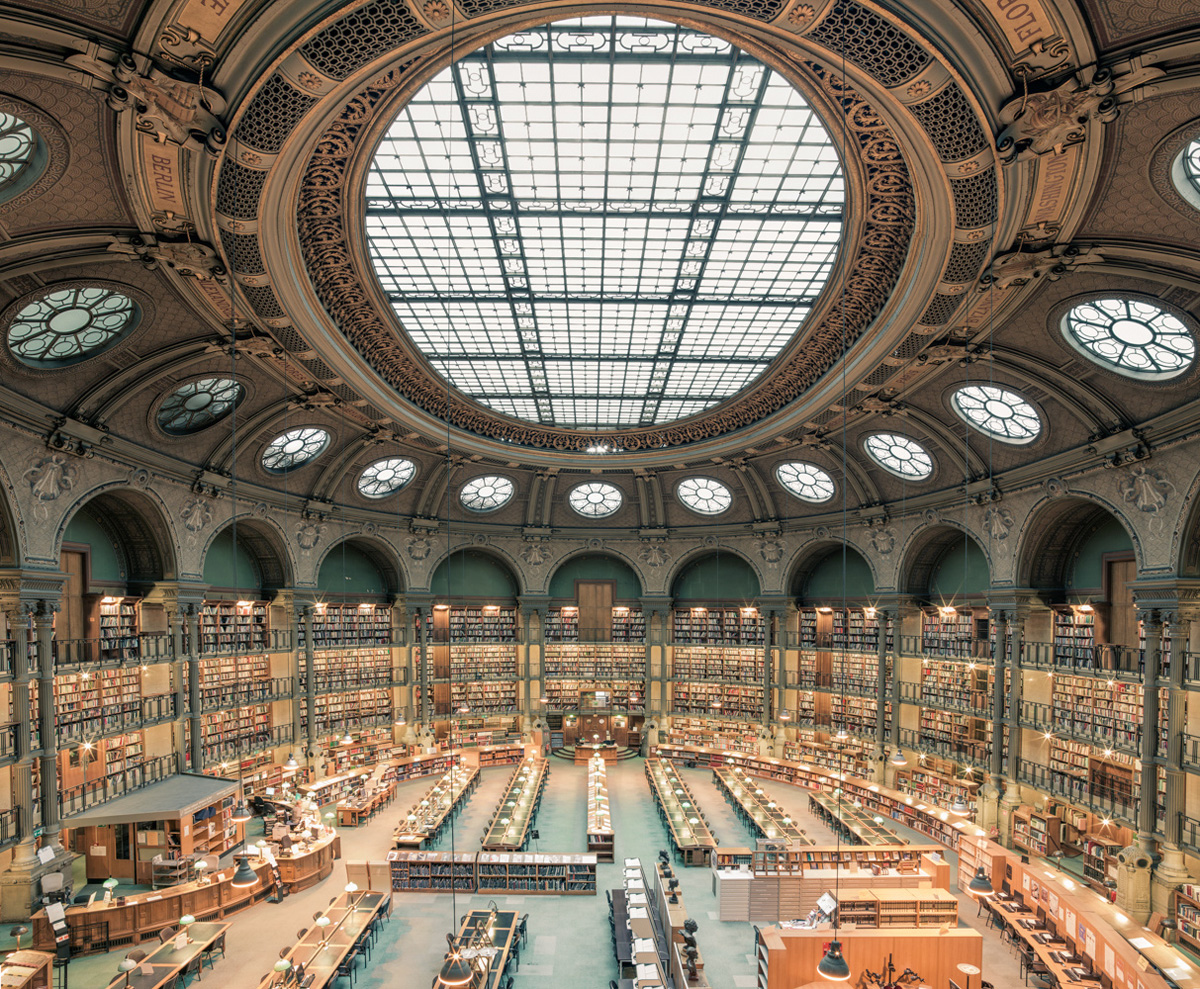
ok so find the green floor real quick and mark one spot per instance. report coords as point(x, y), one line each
point(569, 942)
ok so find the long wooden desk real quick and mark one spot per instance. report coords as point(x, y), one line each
point(685, 821)
point(586, 753)
point(600, 838)
point(509, 827)
point(322, 951)
point(26, 969)
point(1049, 949)
point(489, 952)
point(430, 812)
point(162, 966)
point(352, 812)
point(857, 824)
point(757, 808)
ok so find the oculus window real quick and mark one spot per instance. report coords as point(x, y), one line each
point(486, 493)
point(294, 448)
point(1000, 413)
point(21, 155)
point(899, 455)
point(806, 481)
point(199, 404)
point(595, 499)
point(1131, 337)
point(385, 477)
point(704, 495)
point(67, 325)
point(604, 222)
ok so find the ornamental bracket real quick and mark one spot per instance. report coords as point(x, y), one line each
point(1022, 267)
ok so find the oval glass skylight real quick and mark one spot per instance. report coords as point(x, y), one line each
point(998, 412)
point(704, 495)
point(294, 448)
point(486, 493)
point(1132, 337)
point(806, 481)
point(901, 456)
point(595, 499)
point(385, 477)
point(66, 325)
point(1188, 172)
point(604, 222)
point(199, 404)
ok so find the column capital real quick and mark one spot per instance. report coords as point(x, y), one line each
point(30, 592)
point(1174, 598)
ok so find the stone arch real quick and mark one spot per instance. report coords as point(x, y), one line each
point(613, 554)
point(138, 525)
point(1053, 533)
point(926, 548)
point(267, 545)
point(702, 553)
point(495, 556)
point(813, 554)
point(380, 552)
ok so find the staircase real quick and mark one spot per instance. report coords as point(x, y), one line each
point(568, 752)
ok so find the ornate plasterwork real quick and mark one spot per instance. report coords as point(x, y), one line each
point(887, 219)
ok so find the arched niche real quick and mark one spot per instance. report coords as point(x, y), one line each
point(128, 539)
point(10, 547)
point(1068, 545)
point(359, 568)
point(830, 572)
point(944, 565)
point(596, 567)
point(258, 562)
point(476, 576)
point(716, 577)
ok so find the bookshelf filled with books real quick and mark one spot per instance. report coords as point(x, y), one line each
point(732, 735)
point(950, 631)
point(234, 627)
point(594, 661)
point(744, 702)
point(93, 704)
point(623, 695)
point(697, 626)
point(725, 663)
point(118, 628)
point(350, 711)
point(349, 625)
point(349, 668)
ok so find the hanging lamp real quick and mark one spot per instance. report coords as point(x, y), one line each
point(245, 875)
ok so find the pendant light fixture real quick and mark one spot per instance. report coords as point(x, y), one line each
point(291, 762)
point(833, 966)
point(980, 885)
point(959, 806)
point(245, 876)
point(898, 757)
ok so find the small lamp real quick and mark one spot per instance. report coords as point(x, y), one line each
point(261, 845)
point(126, 965)
point(283, 966)
point(19, 931)
point(322, 922)
point(245, 876)
point(185, 922)
point(348, 739)
point(833, 966)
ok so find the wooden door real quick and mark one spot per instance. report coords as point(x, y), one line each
point(593, 728)
point(595, 599)
point(71, 621)
point(1122, 615)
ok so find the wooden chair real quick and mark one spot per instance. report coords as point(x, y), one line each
point(166, 934)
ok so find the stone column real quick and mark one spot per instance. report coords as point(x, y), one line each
point(988, 799)
point(306, 664)
point(1147, 812)
point(25, 853)
point(422, 660)
point(43, 632)
point(1014, 631)
point(195, 707)
point(176, 619)
point(525, 620)
point(1171, 870)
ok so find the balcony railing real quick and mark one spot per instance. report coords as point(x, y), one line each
point(235, 748)
point(8, 828)
point(240, 693)
point(74, 799)
point(8, 741)
point(1112, 802)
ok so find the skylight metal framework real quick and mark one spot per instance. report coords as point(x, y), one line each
point(604, 223)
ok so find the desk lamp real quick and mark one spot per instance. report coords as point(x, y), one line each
point(185, 922)
point(127, 965)
point(18, 932)
point(200, 865)
point(322, 922)
point(261, 845)
point(283, 966)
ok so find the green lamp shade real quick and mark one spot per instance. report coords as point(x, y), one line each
point(323, 921)
point(245, 875)
point(187, 920)
point(980, 885)
point(110, 882)
point(282, 965)
point(127, 965)
point(833, 966)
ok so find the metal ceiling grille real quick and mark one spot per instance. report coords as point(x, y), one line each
point(606, 222)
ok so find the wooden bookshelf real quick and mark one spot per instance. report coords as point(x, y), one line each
point(342, 625)
point(600, 838)
point(1036, 832)
point(733, 735)
point(898, 908)
point(491, 872)
point(936, 780)
point(432, 872)
point(472, 623)
point(956, 633)
point(744, 701)
point(695, 626)
point(233, 627)
point(117, 628)
point(595, 661)
point(1187, 914)
point(721, 663)
point(957, 686)
point(1075, 636)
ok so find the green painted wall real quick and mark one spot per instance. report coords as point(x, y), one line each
point(219, 569)
point(1088, 572)
point(347, 570)
point(595, 566)
point(825, 582)
point(948, 576)
point(106, 564)
point(720, 577)
point(473, 575)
